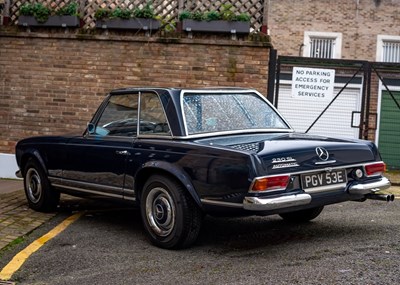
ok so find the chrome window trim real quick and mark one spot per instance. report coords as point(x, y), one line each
point(138, 113)
point(229, 91)
point(235, 132)
point(163, 110)
point(146, 136)
point(96, 137)
point(138, 135)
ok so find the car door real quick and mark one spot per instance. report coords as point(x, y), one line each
point(96, 162)
point(153, 132)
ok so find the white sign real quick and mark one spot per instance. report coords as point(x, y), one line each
point(313, 83)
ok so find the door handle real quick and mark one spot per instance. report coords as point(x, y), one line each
point(122, 152)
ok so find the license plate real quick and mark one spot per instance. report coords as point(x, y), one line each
point(323, 180)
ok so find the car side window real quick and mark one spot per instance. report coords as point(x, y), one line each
point(119, 118)
point(152, 116)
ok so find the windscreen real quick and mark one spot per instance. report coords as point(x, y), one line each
point(213, 112)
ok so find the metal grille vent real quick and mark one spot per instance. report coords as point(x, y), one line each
point(322, 47)
point(252, 147)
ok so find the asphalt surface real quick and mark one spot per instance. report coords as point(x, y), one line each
point(350, 243)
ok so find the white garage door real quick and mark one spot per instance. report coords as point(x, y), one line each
point(336, 121)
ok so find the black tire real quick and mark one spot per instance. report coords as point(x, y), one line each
point(302, 216)
point(171, 218)
point(41, 197)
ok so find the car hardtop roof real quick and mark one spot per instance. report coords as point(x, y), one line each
point(135, 89)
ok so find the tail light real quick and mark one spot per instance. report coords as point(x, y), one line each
point(375, 169)
point(279, 182)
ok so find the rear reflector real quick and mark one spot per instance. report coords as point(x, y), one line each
point(375, 168)
point(270, 183)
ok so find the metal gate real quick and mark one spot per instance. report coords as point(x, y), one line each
point(357, 107)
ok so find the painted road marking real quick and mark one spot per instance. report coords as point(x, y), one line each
point(18, 260)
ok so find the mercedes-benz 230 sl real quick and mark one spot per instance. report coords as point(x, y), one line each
point(179, 154)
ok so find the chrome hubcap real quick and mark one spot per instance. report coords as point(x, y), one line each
point(33, 185)
point(160, 211)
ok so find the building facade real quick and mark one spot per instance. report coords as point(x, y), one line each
point(343, 29)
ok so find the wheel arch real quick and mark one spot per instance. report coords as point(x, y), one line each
point(169, 170)
point(34, 154)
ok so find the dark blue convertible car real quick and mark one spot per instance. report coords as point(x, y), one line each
point(179, 154)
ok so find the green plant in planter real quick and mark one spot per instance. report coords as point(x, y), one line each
point(121, 13)
point(38, 10)
point(147, 12)
point(102, 14)
point(227, 12)
point(68, 10)
point(212, 16)
point(243, 17)
point(198, 16)
point(185, 15)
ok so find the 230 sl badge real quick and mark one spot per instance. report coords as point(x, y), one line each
point(284, 162)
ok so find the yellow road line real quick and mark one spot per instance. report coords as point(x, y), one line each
point(22, 256)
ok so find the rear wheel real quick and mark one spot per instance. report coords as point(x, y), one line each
point(302, 216)
point(170, 216)
point(38, 191)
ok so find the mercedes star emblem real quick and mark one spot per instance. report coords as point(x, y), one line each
point(322, 153)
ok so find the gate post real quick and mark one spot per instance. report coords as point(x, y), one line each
point(278, 76)
point(271, 75)
point(364, 125)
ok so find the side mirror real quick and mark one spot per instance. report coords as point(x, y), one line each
point(91, 128)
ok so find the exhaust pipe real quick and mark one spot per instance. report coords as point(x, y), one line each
point(381, 197)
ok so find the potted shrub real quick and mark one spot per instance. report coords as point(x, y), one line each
point(38, 15)
point(223, 21)
point(124, 19)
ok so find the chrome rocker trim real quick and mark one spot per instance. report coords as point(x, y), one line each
point(368, 188)
point(266, 204)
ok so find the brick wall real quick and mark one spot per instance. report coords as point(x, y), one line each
point(52, 83)
point(359, 24)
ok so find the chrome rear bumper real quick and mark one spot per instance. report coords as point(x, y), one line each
point(369, 188)
point(267, 204)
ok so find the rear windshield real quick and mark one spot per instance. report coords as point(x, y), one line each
point(213, 112)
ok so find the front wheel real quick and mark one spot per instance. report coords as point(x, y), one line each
point(40, 195)
point(170, 216)
point(302, 216)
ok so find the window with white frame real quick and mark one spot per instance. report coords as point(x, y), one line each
point(322, 45)
point(388, 48)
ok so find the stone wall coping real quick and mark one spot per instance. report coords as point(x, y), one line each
point(264, 43)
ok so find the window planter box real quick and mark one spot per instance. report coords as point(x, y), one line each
point(53, 21)
point(234, 27)
point(130, 24)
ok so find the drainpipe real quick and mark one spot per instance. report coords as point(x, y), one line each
point(301, 50)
